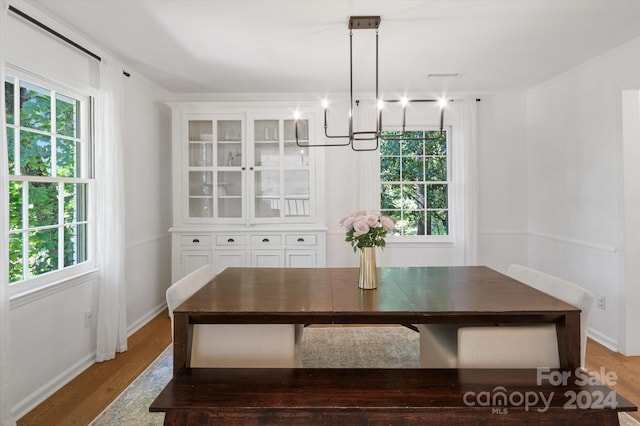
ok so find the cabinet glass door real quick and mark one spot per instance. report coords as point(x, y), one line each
point(281, 173)
point(200, 134)
point(215, 179)
point(267, 165)
point(229, 163)
point(296, 170)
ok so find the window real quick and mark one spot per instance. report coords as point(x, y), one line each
point(49, 179)
point(415, 181)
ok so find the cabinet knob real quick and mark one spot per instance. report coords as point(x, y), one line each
point(231, 240)
point(195, 240)
point(265, 240)
point(301, 240)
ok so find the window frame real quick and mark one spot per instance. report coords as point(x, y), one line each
point(65, 273)
point(428, 240)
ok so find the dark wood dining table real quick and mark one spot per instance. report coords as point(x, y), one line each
point(408, 295)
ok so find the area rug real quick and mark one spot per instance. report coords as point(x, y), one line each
point(338, 347)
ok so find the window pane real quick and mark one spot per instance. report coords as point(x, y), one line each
point(15, 205)
point(11, 150)
point(43, 251)
point(413, 222)
point(35, 107)
point(413, 147)
point(75, 202)
point(437, 222)
point(74, 247)
point(436, 169)
point(35, 154)
point(436, 143)
point(9, 101)
point(390, 169)
point(43, 204)
point(67, 116)
point(397, 216)
point(413, 196)
point(15, 258)
point(68, 158)
point(412, 169)
point(389, 146)
point(389, 196)
point(437, 196)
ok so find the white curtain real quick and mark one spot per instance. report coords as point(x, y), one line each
point(110, 216)
point(6, 418)
point(464, 145)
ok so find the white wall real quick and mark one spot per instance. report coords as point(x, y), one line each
point(502, 220)
point(49, 341)
point(630, 339)
point(147, 152)
point(574, 159)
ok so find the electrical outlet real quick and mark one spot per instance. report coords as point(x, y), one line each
point(88, 319)
point(600, 301)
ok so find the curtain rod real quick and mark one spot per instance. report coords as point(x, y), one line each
point(57, 34)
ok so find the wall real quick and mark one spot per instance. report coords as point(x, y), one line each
point(502, 220)
point(574, 167)
point(49, 341)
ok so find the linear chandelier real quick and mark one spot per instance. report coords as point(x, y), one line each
point(352, 137)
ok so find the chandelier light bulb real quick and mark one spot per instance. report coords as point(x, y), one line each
point(380, 104)
point(442, 102)
point(296, 115)
point(404, 101)
point(325, 103)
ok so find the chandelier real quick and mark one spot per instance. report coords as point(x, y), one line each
point(352, 137)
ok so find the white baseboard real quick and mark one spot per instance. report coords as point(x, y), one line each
point(603, 339)
point(32, 401)
point(141, 322)
point(48, 389)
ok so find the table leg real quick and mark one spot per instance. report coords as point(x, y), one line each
point(568, 333)
point(182, 339)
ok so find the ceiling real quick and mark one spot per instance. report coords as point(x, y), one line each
point(302, 46)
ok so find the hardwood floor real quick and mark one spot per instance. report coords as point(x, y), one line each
point(81, 400)
point(627, 368)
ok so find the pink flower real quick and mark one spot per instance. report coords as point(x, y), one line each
point(388, 223)
point(348, 222)
point(371, 219)
point(375, 213)
point(360, 227)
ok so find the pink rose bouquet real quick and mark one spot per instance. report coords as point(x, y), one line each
point(367, 228)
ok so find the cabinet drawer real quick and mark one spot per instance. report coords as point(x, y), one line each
point(231, 240)
point(194, 241)
point(301, 240)
point(258, 241)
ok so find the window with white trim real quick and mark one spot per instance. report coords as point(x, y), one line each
point(415, 181)
point(50, 180)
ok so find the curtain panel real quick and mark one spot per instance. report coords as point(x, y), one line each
point(6, 416)
point(110, 215)
point(464, 145)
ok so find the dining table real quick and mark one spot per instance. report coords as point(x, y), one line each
point(470, 295)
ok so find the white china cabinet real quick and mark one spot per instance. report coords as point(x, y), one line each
point(244, 192)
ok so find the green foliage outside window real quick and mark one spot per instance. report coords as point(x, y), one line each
point(47, 214)
point(414, 186)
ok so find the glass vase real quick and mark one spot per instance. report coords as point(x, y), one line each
point(368, 279)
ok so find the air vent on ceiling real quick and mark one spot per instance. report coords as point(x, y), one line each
point(444, 74)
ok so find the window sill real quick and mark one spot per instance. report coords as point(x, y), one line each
point(31, 295)
point(420, 241)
